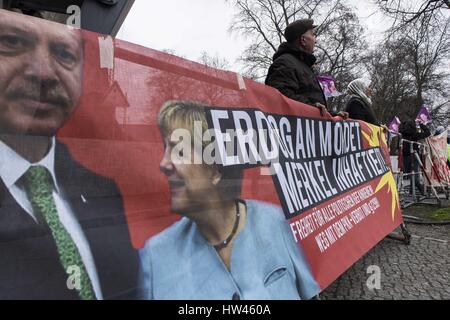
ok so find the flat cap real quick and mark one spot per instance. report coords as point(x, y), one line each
point(297, 28)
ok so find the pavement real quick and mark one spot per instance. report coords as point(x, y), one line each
point(420, 270)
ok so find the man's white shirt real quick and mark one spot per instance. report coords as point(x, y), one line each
point(13, 167)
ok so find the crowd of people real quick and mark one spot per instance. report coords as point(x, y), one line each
point(292, 73)
point(218, 250)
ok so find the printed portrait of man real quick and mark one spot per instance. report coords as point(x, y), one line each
point(63, 233)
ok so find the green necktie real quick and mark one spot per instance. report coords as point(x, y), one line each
point(38, 185)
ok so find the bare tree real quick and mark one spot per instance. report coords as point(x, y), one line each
point(393, 90)
point(426, 55)
point(214, 61)
point(412, 14)
point(340, 37)
point(167, 85)
point(409, 71)
point(211, 93)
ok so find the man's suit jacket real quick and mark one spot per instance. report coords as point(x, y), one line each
point(29, 263)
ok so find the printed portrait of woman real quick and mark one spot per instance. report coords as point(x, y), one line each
point(224, 247)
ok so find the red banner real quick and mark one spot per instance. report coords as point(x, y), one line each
point(328, 178)
point(436, 161)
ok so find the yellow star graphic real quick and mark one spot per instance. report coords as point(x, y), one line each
point(373, 138)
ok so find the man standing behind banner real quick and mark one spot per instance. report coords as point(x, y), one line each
point(63, 233)
point(292, 69)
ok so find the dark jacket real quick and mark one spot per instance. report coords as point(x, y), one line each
point(30, 267)
point(409, 132)
point(292, 74)
point(359, 110)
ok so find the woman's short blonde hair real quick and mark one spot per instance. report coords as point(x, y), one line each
point(182, 115)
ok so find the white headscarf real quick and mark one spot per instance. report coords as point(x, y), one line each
point(357, 88)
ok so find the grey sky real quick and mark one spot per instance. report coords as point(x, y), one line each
point(188, 27)
point(191, 26)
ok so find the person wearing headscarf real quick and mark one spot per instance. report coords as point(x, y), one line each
point(359, 106)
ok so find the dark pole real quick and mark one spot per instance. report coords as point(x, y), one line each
point(104, 16)
point(101, 16)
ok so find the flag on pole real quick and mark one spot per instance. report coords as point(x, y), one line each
point(394, 125)
point(423, 116)
point(328, 86)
